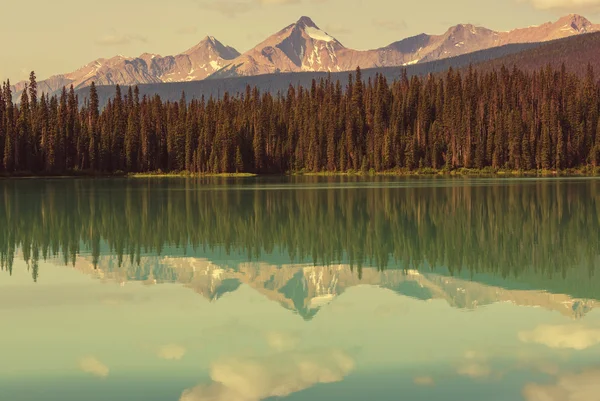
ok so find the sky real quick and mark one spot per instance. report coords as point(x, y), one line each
point(59, 36)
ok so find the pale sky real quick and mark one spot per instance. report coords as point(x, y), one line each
point(59, 36)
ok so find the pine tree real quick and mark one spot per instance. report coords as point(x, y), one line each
point(93, 127)
point(21, 158)
point(9, 142)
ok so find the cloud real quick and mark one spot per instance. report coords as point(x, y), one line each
point(390, 24)
point(119, 40)
point(93, 366)
point(568, 5)
point(570, 387)
point(254, 379)
point(572, 336)
point(280, 341)
point(171, 352)
point(424, 381)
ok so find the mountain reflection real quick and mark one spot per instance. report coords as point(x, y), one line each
point(305, 289)
point(470, 242)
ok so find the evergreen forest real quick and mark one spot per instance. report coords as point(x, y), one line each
point(503, 119)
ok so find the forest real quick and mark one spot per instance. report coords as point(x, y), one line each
point(503, 119)
point(545, 228)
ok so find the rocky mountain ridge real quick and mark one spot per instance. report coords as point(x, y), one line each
point(301, 47)
point(194, 64)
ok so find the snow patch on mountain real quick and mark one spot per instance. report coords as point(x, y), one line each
point(317, 34)
point(412, 62)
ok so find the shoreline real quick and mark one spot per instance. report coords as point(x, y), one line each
point(588, 171)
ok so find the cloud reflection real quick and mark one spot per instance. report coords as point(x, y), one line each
point(254, 379)
point(572, 336)
point(583, 386)
point(171, 352)
point(93, 366)
point(475, 365)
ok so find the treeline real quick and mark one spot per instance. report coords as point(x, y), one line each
point(503, 119)
point(545, 227)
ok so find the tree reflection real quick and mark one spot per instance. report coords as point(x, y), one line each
point(507, 228)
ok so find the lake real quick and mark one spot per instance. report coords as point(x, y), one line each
point(300, 288)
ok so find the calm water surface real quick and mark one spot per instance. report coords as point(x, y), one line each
point(300, 289)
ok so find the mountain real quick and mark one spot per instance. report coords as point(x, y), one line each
point(467, 38)
point(194, 64)
point(280, 82)
point(575, 52)
point(303, 46)
point(305, 289)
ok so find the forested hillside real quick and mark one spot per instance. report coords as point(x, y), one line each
point(502, 119)
point(574, 52)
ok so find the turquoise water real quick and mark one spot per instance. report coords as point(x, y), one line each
point(300, 289)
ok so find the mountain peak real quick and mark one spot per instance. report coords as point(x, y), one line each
point(306, 25)
point(460, 28)
point(210, 43)
point(306, 22)
point(209, 39)
point(575, 20)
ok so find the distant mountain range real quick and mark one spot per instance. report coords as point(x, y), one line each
point(302, 47)
point(305, 289)
point(574, 52)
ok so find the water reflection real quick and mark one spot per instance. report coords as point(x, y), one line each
point(277, 375)
point(303, 289)
point(504, 227)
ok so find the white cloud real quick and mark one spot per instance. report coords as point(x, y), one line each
point(572, 387)
point(93, 366)
point(572, 336)
point(568, 5)
point(171, 352)
point(254, 379)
